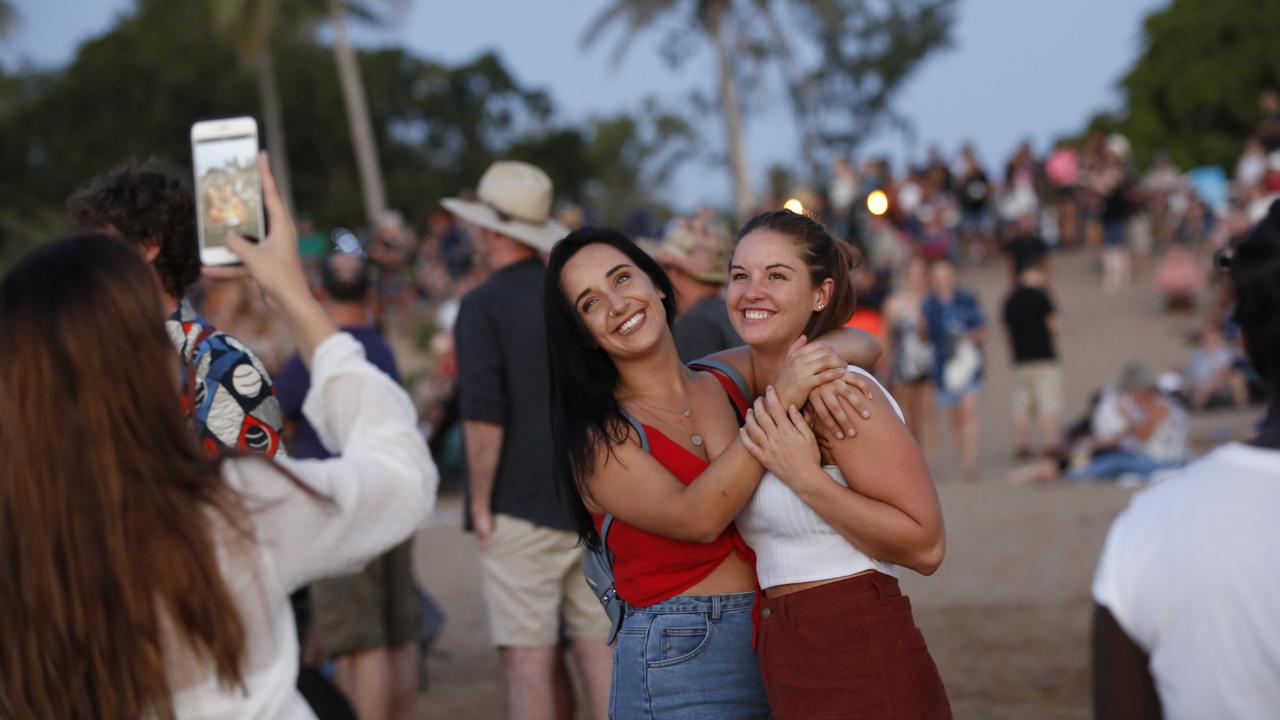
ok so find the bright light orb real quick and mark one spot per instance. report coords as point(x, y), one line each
point(794, 205)
point(877, 202)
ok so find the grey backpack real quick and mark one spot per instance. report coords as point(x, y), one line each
point(597, 565)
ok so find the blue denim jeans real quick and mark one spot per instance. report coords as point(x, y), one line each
point(688, 658)
point(1122, 462)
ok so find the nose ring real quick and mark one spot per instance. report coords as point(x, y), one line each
point(613, 313)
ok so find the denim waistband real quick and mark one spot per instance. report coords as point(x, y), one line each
point(714, 604)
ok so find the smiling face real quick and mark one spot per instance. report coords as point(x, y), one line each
point(615, 300)
point(771, 298)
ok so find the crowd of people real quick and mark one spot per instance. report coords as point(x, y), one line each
point(733, 436)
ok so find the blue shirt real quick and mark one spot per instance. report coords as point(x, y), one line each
point(948, 323)
point(294, 381)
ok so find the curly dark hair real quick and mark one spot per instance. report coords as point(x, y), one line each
point(145, 204)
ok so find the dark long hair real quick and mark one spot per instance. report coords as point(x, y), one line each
point(107, 552)
point(586, 419)
point(1255, 280)
point(826, 258)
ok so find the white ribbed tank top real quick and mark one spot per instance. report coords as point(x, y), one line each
point(792, 543)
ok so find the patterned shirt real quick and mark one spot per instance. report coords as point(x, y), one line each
point(230, 398)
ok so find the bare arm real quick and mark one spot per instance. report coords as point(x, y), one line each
point(855, 347)
point(276, 266)
point(890, 510)
point(639, 490)
point(483, 442)
point(1123, 688)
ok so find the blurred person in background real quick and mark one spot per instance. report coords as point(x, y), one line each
point(1212, 378)
point(392, 252)
point(956, 330)
point(531, 561)
point(1025, 248)
point(911, 357)
point(696, 258)
point(1031, 322)
point(844, 193)
point(148, 579)
point(367, 622)
point(1115, 184)
point(974, 193)
point(1185, 622)
point(1145, 429)
point(1269, 124)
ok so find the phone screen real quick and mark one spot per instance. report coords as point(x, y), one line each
point(227, 185)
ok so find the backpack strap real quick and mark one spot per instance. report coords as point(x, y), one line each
point(604, 539)
point(735, 386)
point(608, 517)
point(639, 428)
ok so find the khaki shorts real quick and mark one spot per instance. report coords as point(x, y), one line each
point(533, 582)
point(1038, 386)
point(376, 608)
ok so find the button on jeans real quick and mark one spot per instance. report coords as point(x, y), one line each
point(688, 658)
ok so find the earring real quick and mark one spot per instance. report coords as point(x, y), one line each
point(820, 307)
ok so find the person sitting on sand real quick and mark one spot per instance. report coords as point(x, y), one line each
point(1211, 376)
point(1154, 435)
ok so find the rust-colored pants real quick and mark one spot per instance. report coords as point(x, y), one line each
point(850, 649)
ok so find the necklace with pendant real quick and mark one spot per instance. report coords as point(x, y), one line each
point(694, 437)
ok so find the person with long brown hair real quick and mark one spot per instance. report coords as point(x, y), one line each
point(140, 578)
point(834, 516)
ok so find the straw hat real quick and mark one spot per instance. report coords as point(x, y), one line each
point(700, 252)
point(513, 199)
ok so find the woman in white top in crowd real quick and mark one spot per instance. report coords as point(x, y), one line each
point(837, 638)
point(141, 578)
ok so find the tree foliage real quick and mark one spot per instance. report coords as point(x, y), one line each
point(133, 92)
point(1194, 90)
point(842, 62)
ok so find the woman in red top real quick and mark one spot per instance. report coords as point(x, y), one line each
point(685, 647)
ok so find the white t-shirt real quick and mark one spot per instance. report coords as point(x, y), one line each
point(1191, 572)
point(380, 487)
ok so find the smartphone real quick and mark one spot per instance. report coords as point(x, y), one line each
point(228, 189)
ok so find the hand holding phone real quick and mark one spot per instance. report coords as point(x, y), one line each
point(228, 185)
point(276, 265)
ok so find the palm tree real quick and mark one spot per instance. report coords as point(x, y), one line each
point(362, 137)
point(251, 26)
point(713, 17)
point(865, 51)
point(799, 88)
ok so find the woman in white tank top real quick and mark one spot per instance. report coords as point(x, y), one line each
point(837, 638)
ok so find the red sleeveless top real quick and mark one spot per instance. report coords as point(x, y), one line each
point(648, 568)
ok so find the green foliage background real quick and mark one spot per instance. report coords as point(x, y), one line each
point(1194, 91)
point(134, 92)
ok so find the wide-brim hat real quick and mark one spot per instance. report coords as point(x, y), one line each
point(514, 199)
point(700, 253)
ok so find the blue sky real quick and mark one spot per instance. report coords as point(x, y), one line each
point(1018, 69)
